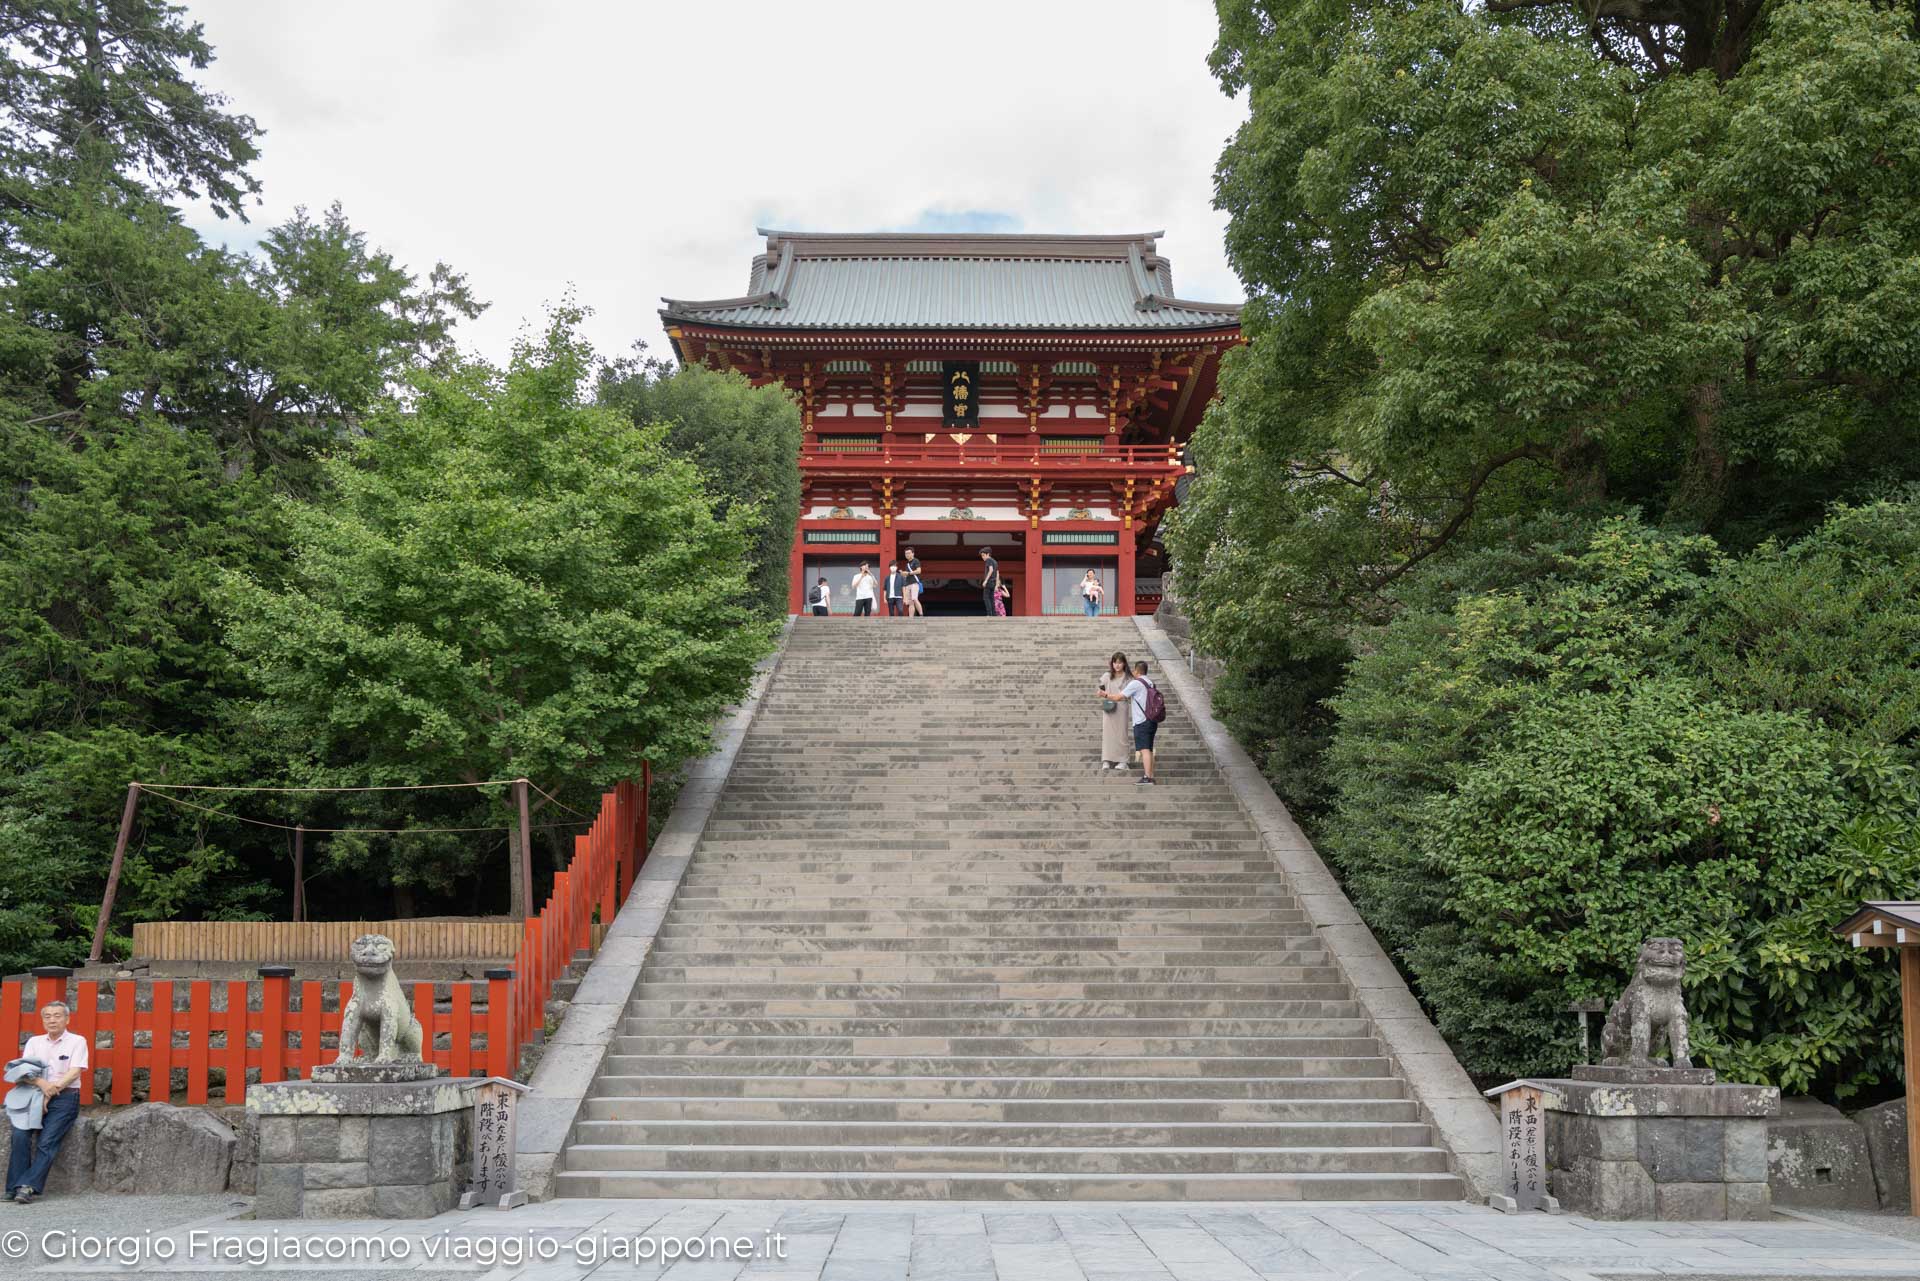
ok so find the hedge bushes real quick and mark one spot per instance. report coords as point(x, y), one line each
point(1645, 736)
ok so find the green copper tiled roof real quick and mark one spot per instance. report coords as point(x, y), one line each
point(900, 281)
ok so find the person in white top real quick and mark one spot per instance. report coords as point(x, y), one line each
point(820, 599)
point(865, 588)
point(1091, 590)
point(67, 1058)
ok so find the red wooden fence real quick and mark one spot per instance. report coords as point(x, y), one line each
point(283, 1038)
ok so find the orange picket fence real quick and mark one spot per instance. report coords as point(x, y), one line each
point(260, 1027)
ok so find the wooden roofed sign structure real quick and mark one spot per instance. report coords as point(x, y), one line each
point(1897, 926)
point(1083, 374)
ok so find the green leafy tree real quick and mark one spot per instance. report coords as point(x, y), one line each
point(1537, 767)
point(1540, 254)
point(746, 442)
point(88, 82)
point(508, 581)
point(154, 393)
point(112, 668)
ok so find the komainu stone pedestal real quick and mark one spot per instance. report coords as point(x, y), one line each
point(361, 1150)
point(1624, 1150)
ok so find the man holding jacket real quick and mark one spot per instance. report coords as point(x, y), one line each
point(64, 1058)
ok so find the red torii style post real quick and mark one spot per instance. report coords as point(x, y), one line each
point(1897, 926)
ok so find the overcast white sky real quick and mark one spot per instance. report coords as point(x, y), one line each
point(628, 148)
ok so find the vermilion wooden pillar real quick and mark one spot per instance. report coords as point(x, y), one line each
point(796, 571)
point(1030, 587)
point(889, 550)
point(1123, 589)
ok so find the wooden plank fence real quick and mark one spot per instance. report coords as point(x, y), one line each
point(295, 942)
point(277, 1037)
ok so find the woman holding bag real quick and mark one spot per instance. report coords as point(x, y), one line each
point(1116, 730)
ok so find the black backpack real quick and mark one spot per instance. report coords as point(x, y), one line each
point(813, 596)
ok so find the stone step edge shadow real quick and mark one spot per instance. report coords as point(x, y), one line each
point(566, 1073)
point(1462, 1122)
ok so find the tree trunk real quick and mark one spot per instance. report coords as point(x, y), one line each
point(1582, 463)
point(1703, 484)
point(403, 908)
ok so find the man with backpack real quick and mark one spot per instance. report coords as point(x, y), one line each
point(821, 598)
point(1146, 708)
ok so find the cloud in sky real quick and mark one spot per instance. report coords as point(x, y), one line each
point(627, 150)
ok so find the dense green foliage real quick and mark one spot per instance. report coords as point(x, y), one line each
point(506, 582)
point(1568, 332)
point(1533, 778)
point(746, 441)
point(175, 418)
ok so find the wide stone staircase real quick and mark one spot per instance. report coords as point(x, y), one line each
point(927, 948)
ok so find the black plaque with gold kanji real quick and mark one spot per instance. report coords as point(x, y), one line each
point(960, 399)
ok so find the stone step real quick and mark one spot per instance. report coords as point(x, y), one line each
point(959, 915)
point(983, 1157)
point(1033, 979)
point(988, 898)
point(1326, 1136)
point(947, 993)
point(723, 1008)
point(754, 1184)
point(1155, 956)
point(947, 1028)
point(1069, 933)
point(1137, 1111)
point(839, 946)
point(933, 1088)
point(1009, 978)
point(1049, 1065)
point(833, 1048)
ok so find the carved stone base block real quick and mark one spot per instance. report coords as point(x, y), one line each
point(398, 1150)
point(1645, 1075)
point(361, 1073)
point(1672, 1152)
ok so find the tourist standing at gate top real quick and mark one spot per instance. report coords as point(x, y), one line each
point(1116, 731)
point(914, 586)
point(49, 1101)
point(1002, 599)
point(989, 582)
point(1134, 693)
point(864, 588)
point(1092, 589)
point(821, 598)
point(896, 590)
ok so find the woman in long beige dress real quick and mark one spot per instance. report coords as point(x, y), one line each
point(1116, 732)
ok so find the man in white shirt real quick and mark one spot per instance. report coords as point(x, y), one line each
point(865, 586)
point(67, 1059)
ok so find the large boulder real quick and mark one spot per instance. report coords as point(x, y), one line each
point(1886, 1130)
point(73, 1168)
point(157, 1147)
point(1817, 1159)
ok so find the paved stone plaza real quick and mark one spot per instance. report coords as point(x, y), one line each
point(845, 1241)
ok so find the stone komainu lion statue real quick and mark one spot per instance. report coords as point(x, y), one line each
point(1652, 1002)
point(377, 1018)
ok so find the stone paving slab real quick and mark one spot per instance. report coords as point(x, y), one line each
point(993, 1241)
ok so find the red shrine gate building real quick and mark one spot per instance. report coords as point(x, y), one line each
point(1026, 394)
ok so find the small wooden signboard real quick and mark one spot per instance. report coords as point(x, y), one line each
point(495, 1131)
point(1523, 1149)
point(1896, 925)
